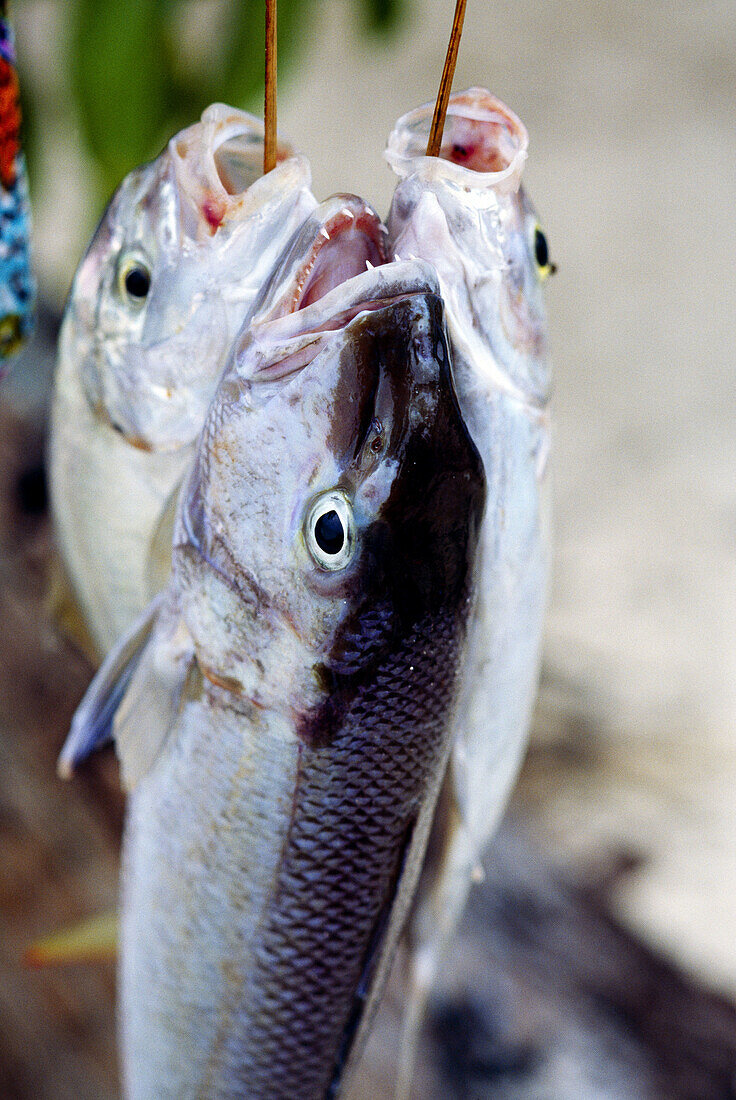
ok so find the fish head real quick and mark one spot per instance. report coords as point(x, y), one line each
point(176, 262)
point(336, 494)
point(466, 212)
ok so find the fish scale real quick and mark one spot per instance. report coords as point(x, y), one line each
point(361, 796)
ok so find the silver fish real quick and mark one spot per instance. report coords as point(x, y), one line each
point(285, 728)
point(177, 260)
point(466, 213)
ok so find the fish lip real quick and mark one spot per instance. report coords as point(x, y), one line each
point(209, 200)
point(319, 287)
point(407, 142)
point(279, 348)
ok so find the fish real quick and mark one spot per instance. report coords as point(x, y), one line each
point(17, 284)
point(285, 728)
point(177, 260)
point(467, 214)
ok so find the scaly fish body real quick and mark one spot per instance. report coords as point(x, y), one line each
point(466, 213)
point(176, 262)
point(285, 728)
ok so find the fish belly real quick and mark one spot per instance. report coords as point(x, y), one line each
point(203, 841)
point(499, 678)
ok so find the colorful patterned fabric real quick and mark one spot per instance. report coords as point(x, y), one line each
point(17, 287)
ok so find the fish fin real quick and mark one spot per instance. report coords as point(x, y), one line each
point(159, 552)
point(92, 940)
point(63, 608)
point(166, 676)
point(92, 724)
point(421, 978)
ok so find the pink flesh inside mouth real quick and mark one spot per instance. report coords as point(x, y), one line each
point(345, 247)
point(482, 146)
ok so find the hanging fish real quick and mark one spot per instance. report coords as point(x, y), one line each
point(17, 286)
point(177, 260)
point(466, 213)
point(284, 727)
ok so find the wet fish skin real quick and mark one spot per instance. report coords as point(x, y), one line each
point(467, 214)
point(273, 843)
point(135, 374)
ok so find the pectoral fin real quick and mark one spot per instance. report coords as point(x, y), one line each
point(136, 695)
point(159, 553)
point(165, 677)
point(93, 721)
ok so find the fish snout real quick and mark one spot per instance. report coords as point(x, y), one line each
point(435, 503)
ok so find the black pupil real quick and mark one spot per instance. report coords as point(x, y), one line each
point(541, 251)
point(329, 533)
point(137, 282)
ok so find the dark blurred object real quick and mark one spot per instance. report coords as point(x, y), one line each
point(382, 15)
point(551, 998)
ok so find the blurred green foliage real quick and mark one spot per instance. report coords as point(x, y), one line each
point(135, 82)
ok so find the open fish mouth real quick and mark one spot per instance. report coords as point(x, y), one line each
point(342, 270)
point(217, 162)
point(481, 135)
point(348, 242)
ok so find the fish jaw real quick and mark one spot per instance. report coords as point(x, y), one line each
point(478, 228)
point(342, 237)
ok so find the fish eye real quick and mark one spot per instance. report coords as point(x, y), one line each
point(134, 279)
point(540, 249)
point(329, 531)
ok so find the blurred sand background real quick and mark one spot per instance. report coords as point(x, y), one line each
point(630, 110)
